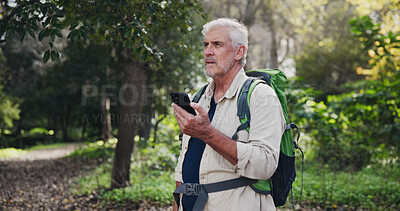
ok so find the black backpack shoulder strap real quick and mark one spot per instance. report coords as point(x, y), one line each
point(199, 93)
point(243, 110)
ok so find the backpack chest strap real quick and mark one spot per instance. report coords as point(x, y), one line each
point(202, 190)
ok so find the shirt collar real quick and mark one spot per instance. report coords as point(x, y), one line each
point(231, 92)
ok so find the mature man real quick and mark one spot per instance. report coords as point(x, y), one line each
point(208, 154)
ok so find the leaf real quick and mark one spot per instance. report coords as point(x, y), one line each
point(44, 9)
point(22, 35)
point(53, 56)
point(42, 34)
point(72, 34)
point(46, 22)
point(390, 35)
point(31, 33)
point(46, 56)
point(58, 33)
point(53, 36)
point(73, 26)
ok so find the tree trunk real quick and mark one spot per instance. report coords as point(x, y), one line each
point(273, 49)
point(84, 125)
point(63, 124)
point(268, 15)
point(105, 110)
point(55, 126)
point(249, 18)
point(130, 97)
point(159, 120)
point(145, 125)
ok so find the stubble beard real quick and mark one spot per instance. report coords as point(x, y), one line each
point(215, 74)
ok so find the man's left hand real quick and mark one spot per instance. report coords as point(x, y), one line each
point(195, 126)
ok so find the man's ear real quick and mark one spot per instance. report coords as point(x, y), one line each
point(240, 52)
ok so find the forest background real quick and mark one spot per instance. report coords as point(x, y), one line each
point(100, 73)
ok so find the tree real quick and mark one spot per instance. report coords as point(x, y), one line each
point(330, 60)
point(277, 28)
point(124, 24)
point(9, 107)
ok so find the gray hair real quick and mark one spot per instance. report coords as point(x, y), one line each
point(238, 33)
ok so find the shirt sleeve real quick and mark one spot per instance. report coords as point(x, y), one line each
point(258, 158)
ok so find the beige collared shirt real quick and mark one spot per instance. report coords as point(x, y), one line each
point(257, 150)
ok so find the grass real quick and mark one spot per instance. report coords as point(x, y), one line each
point(91, 150)
point(11, 153)
point(373, 188)
point(151, 179)
point(155, 186)
point(49, 146)
point(368, 189)
point(96, 149)
point(8, 153)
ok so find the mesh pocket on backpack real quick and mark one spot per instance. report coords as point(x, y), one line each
point(283, 178)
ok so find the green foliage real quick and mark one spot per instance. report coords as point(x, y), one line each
point(99, 149)
point(9, 110)
point(329, 66)
point(361, 126)
point(351, 130)
point(151, 178)
point(97, 180)
point(368, 189)
point(154, 186)
point(11, 153)
point(125, 23)
point(9, 106)
point(384, 49)
point(161, 157)
point(40, 131)
point(49, 146)
point(373, 188)
point(330, 61)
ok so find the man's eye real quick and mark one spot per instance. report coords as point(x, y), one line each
point(205, 44)
point(217, 44)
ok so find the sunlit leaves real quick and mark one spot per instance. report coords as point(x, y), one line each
point(382, 48)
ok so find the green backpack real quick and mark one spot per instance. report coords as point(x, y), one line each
point(280, 183)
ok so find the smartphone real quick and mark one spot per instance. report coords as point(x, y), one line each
point(182, 99)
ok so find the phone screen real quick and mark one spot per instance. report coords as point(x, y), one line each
point(182, 99)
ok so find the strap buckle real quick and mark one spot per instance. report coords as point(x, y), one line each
point(192, 189)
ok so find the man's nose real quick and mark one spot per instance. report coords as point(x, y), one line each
point(208, 50)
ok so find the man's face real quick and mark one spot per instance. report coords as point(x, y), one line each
point(219, 54)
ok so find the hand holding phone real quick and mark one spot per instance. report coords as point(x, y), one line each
point(182, 99)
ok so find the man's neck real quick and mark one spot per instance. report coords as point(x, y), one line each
point(223, 83)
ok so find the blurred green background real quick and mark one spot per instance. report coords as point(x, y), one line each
point(66, 66)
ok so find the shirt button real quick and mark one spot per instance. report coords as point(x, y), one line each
point(180, 172)
point(185, 147)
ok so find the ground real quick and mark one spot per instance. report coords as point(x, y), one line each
point(41, 180)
